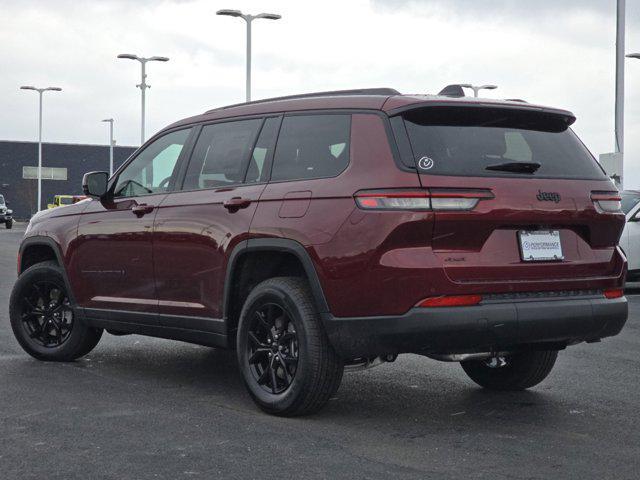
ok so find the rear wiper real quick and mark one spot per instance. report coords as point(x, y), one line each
point(516, 167)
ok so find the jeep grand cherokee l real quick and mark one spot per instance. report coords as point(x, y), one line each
point(338, 229)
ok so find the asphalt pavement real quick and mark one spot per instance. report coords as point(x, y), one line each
point(144, 408)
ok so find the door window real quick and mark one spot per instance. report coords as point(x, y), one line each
point(153, 169)
point(221, 154)
point(312, 146)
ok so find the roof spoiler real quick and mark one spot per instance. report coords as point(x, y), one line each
point(454, 91)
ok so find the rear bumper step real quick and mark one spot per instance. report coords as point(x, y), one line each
point(490, 326)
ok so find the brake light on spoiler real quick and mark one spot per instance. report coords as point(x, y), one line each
point(421, 199)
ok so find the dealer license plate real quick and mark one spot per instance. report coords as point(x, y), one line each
point(540, 245)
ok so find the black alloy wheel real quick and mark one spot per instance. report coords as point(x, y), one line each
point(287, 363)
point(272, 349)
point(43, 318)
point(517, 371)
point(47, 316)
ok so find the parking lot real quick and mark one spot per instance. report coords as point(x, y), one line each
point(138, 408)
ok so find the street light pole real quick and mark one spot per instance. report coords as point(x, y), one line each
point(248, 76)
point(248, 19)
point(111, 142)
point(143, 83)
point(40, 92)
point(477, 88)
point(619, 109)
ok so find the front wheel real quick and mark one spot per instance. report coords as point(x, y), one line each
point(42, 319)
point(514, 372)
point(285, 357)
point(8, 224)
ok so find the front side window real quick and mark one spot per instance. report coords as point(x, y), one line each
point(221, 154)
point(312, 146)
point(152, 170)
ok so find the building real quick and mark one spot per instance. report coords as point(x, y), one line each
point(63, 166)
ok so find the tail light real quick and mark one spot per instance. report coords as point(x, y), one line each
point(613, 293)
point(451, 301)
point(607, 202)
point(393, 200)
point(440, 199)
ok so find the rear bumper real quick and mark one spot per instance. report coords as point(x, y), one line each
point(488, 326)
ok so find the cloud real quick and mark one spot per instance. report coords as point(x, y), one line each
point(556, 53)
point(492, 8)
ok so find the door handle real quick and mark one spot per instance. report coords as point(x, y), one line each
point(236, 203)
point(142, 209)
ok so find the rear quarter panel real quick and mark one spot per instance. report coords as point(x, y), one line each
point(362, 258)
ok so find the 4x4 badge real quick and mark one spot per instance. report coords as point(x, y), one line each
point(548, 196)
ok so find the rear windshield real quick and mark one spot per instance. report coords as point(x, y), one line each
point(466, 140)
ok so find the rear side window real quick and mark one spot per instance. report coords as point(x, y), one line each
point(221, 154)
point(312, 146)
point(466, 140)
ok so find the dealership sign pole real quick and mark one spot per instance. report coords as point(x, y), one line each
point(40, 92)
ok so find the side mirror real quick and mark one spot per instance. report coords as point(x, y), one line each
point(94, 184)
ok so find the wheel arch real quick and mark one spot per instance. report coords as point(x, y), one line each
point(38, 249)
point(268, 249)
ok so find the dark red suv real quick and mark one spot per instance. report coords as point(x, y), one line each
point(340, 229)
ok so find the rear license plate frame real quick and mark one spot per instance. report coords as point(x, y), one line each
point(540, 245)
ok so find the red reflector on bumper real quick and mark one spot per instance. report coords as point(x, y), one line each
point(451, 301)
point(613, 293)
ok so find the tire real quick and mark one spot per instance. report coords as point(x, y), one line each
point(521, 371)
point(281, 309)
point(8, 224)
point(70, 339)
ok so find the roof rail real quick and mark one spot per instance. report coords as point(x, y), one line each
point(360, 91)
point(516, 100)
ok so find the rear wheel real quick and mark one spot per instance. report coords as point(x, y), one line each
point(285, 357)
point(42, 319)
point(514, 372)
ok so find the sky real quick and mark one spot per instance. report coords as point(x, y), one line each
point(556, 53)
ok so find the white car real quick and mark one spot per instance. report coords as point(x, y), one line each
point(630, 239)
